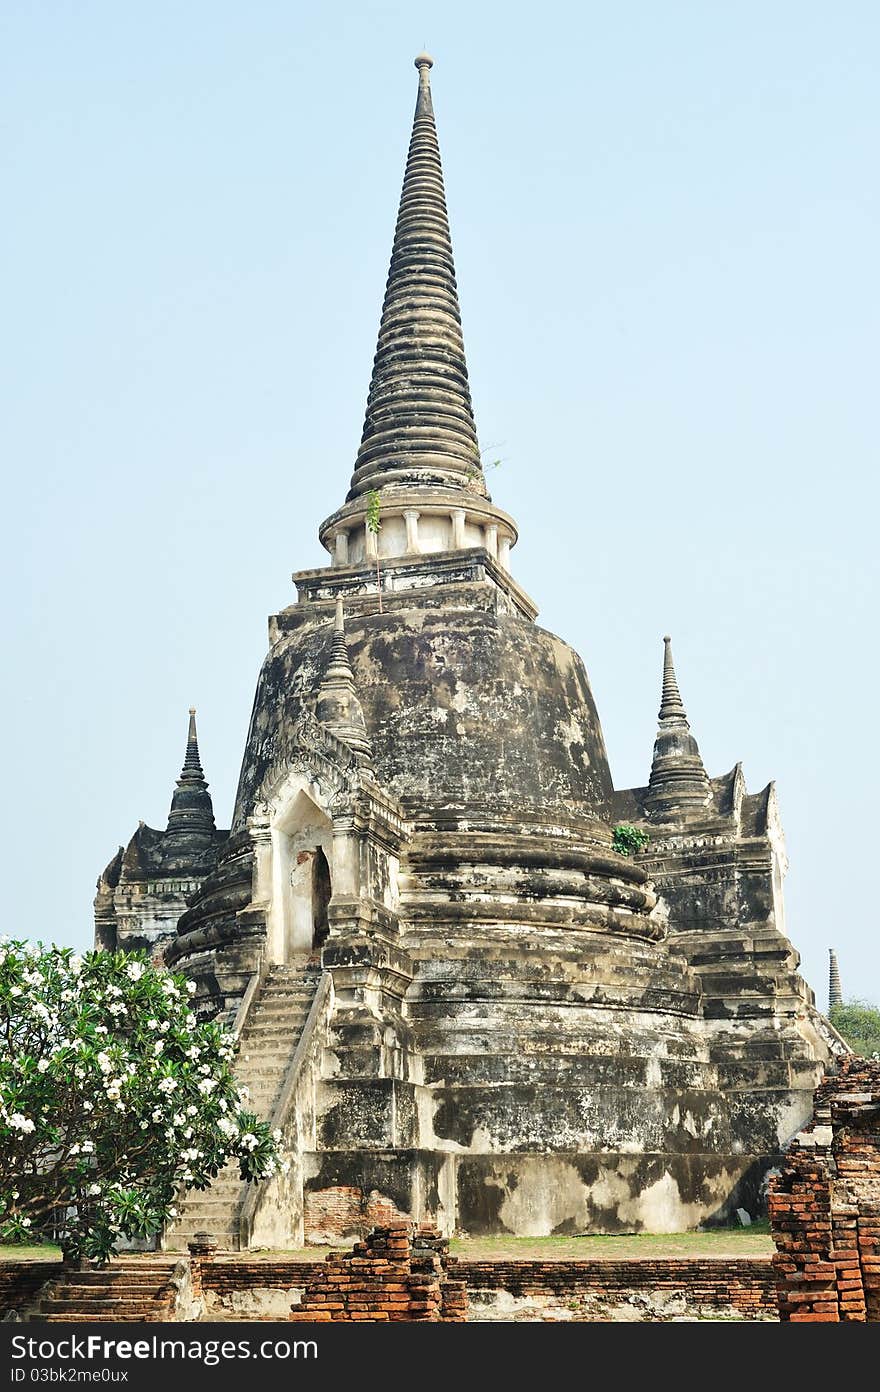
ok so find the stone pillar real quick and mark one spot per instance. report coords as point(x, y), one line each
point(458, 520)
point(202, 1249)
point(340, 557)
point(261, 884)
point(492, 539)
point(411, 518)
point(504, 552)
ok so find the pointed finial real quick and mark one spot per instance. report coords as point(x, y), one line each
point(419, 428)
point(191, 809)
point(337, 705)
point(835, 994)
point(678, 779)
point(192, 764)
point(671, 703)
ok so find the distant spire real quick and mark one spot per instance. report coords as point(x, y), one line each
point(419, 427)
point(835, 995)
point(338, 706)
point(192, 763)
point(192, 812)
point(678, 778)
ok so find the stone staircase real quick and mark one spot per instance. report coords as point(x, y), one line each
point(127, 1289)
point(268, 1041)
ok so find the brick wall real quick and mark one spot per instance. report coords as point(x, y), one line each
point(20, 1281)
point(745, 1286)
point(825, 1204)
point(338, 1211)
point(398, 1273)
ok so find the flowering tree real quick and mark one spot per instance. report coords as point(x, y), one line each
point(112, 1098)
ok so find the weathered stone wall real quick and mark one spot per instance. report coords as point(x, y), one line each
point(825, 1204)
point(665, 1289)
point(399, 1273)
point(637, 1289)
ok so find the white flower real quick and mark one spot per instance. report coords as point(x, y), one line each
point(156, 1114)
point(191, 1154)
point(88, 1147)
point(190, 1021)
point(15, 990)
point(165, 1027)
point(75, 965)
point(152, 1023)
point(187, 1133)
point(74, 1150)
point(227, 1126)
point(43, 1065)
point(134, 971)
point(276, 1134)
point(172, 1213)
point(88, 1107)
point(207, 1086)
point(191, 1110)
point(104, 1062)
point(178, 1119)
point(249, 1141)
point(194, 1052)
point(167, 1085)
point(191, 987)
point(158, 1046)
point(21, 1123)
point(25, 1222)
point(101, 1029)
point(93, 1189)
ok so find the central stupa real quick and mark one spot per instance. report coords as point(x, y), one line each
point(454, 996)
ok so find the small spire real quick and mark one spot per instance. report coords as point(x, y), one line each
point(835, 994)
point(671, 703)
point(678, 778)
point(192, 812)
point(192, 764)
point(419, 428)
point(338, 705)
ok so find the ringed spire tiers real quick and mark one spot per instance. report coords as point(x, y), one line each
point(678, 777)
point(192, 811)
point(419, 447)
point(419, 427)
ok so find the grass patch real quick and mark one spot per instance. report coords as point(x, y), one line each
point(716, 1242)
point(45, 1251)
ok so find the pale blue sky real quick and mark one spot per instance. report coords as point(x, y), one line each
point(665, 220)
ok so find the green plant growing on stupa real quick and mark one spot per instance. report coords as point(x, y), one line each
point(627, 840)
point(374, 525)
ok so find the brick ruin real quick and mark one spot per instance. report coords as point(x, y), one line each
point(399, 1273)
point(825, 1204)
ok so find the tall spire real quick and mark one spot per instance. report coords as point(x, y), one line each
point(419, 427)
point(835, 994)
point(338, 705)
point(191, 812)
point(678, 779)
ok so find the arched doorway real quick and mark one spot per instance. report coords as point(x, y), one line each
point(302, 841)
